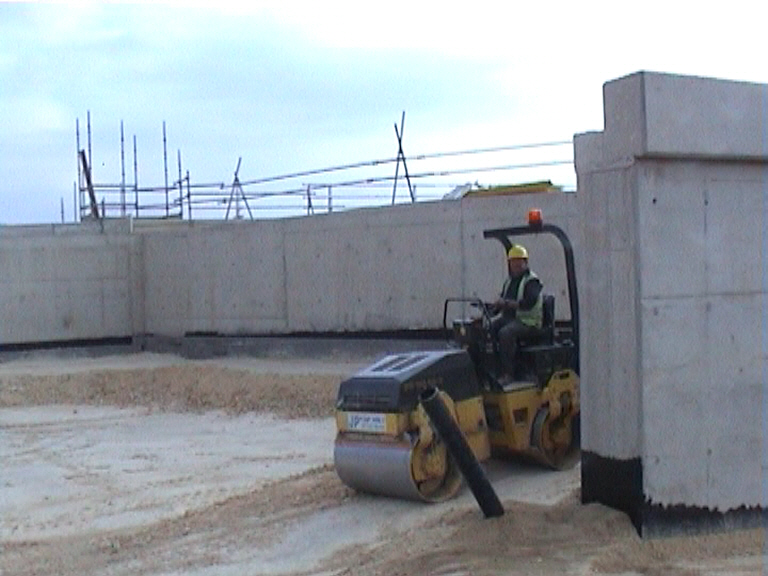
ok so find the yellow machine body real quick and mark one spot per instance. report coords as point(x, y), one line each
point(397, 452)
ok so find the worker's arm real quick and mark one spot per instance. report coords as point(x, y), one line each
point(503, 302)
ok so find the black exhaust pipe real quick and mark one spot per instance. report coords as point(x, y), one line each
point(457, 445)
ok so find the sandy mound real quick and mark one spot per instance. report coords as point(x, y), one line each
point(192, 386)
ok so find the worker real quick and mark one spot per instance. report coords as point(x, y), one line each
point(518, 312)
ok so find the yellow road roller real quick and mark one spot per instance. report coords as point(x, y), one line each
point(386, 443)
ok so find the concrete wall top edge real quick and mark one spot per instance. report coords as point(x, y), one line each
point(671, 75)
point(668, 115)
point(87, 228)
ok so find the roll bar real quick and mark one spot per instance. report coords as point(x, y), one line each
point(503, 235)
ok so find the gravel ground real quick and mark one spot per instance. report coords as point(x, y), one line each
point(152, 464)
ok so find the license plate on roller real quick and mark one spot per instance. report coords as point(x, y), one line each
point(366, 422)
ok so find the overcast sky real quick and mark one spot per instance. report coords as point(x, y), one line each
point(293, 86)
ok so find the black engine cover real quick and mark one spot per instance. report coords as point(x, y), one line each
point(393, 384)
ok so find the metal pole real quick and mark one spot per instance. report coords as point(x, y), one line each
point(122, 168)
point(165, 163)
point(135, 177)
point(79, 170)
point(181, 190)
point(235, 183)
point(90, 153)
point(238, 216)
point(245, 200)
point(397, 166)
point(89, 184)
point(401, 154)
point(189, 196)
point(330, 202)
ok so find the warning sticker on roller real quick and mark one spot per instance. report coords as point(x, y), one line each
point(366, 422)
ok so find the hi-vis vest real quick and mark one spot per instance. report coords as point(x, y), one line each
point(535, 316)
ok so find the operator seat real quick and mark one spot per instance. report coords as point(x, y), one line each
point(539, 357)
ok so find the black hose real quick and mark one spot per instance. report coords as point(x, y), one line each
point(449, 431)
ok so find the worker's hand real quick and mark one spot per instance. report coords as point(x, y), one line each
point(502, 304)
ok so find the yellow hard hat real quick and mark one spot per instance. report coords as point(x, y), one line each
point(517, 251)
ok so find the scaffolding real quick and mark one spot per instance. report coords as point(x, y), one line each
point(309, 192)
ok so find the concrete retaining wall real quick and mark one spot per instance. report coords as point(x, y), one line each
point(674, 313)
point(368, 270)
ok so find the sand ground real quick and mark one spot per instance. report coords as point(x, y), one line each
point(152, 464)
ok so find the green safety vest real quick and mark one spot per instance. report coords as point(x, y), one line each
point(535, 316)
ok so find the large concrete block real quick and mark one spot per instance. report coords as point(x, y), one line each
point(690, 116)
point(688, 214)
point(664, 115)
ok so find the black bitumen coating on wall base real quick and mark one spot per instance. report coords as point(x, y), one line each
point(619, 485)
point(81, 348)
point(614, 483)
point(659, 521)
